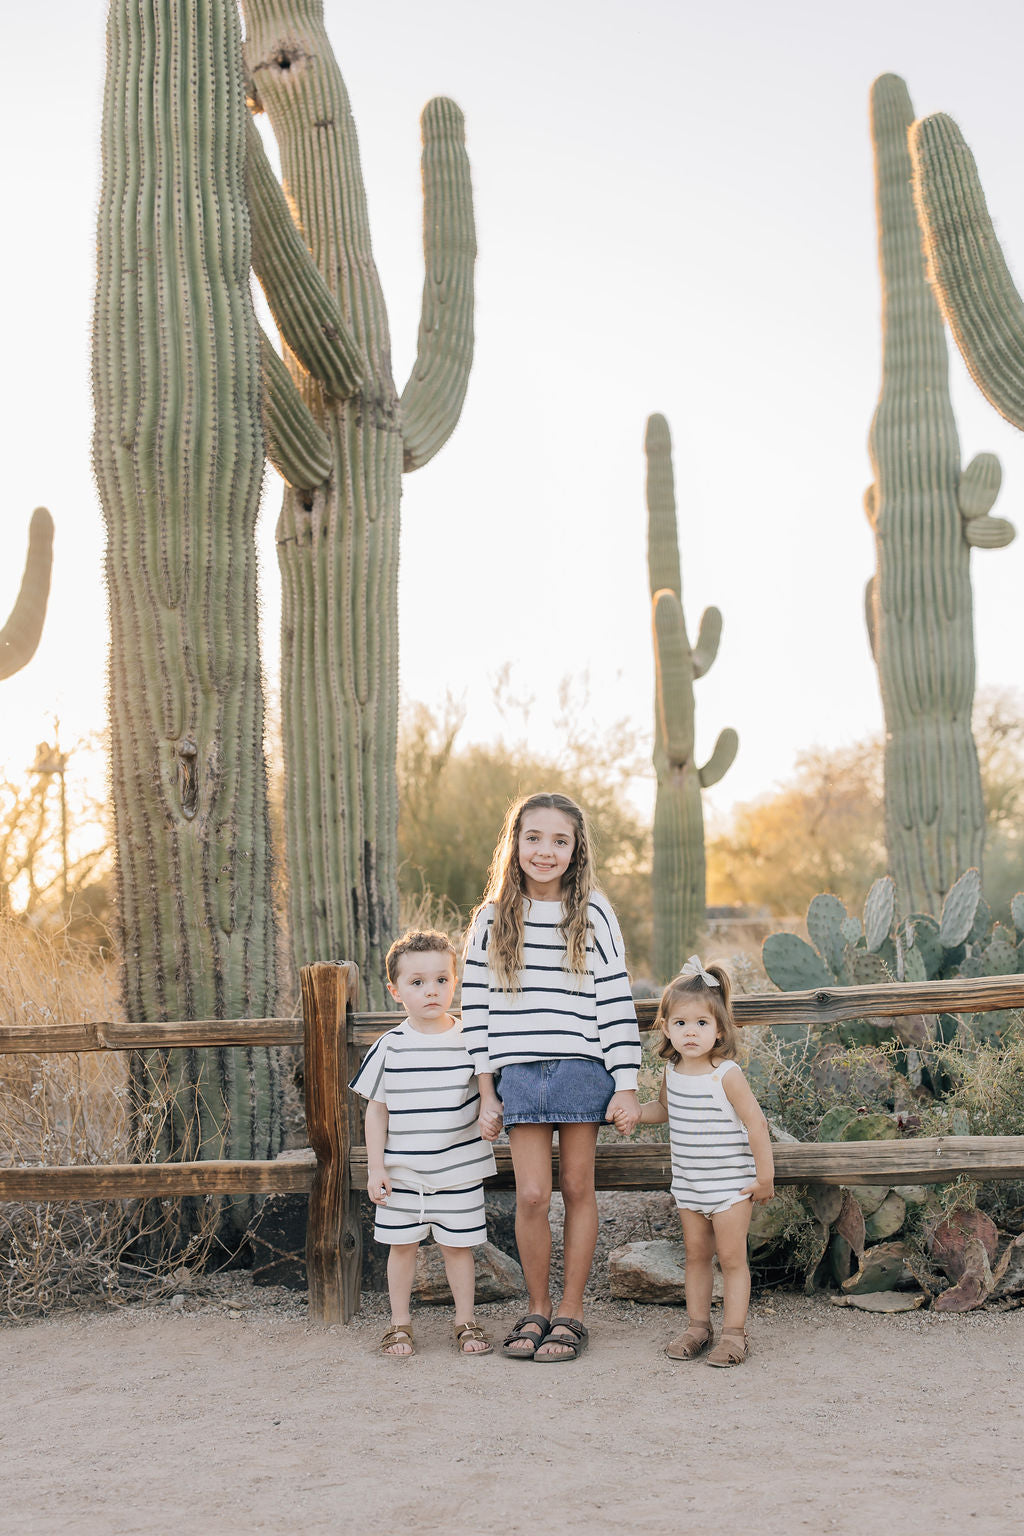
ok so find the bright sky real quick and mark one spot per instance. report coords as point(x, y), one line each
point(675, 213)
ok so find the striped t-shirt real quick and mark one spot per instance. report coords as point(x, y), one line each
point(553, 1014)
point(711, 1156)
point(428, 1084)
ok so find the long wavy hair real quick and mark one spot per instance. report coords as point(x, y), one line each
point(506, 890)
point(718, 1001)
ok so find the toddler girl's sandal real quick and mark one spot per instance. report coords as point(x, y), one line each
point(470, 1333)
point(568, 1345)
point(731, 1348)
point(692, 1343)
point(400, 1333)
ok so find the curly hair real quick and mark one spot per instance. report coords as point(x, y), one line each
point(719, 1005)
point(506, 891)
point(418, 941)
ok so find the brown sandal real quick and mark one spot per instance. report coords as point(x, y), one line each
point(519, 1335)
point(470, 1333)
point(692, 1343)
point(570, 1343)
point(398, 1333)
point(731, 1349)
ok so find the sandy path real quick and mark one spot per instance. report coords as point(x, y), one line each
point(151, 1421)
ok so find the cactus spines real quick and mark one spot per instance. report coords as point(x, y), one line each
point(678, 874)
point(926, 515)
point(178, 454)
point(968, 272)
point(338, 540)
point(20, 635)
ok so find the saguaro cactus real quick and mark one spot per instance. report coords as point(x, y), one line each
point(926, 514)
point(678, 874)
point(969, 275)
point(179, 457)
point(20, 635)
point(338, 541)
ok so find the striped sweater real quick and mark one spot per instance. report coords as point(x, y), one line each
point(554, 1013)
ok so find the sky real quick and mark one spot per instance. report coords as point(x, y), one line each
point(675, 213)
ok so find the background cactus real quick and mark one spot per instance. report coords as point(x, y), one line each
point(338, 538)
point(179, 457)
point(926, 515)
point(678, 873)
point(20, 635)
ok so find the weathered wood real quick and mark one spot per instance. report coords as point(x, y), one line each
point(917, 1160)
point(106, 1036)
point(333, 1235)
point(830, 1005)
point(144, 1181)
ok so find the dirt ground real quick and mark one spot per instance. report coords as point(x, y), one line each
point(233, 1414)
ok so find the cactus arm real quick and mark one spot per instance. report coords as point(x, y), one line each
point(662, 537)
point(20, 635)
point(978, 489)
point(306, 311)
point(296, 446)
point(721, 759)
point(432, 399)
point(674, 675)
point(709, 636)
point(968, 272)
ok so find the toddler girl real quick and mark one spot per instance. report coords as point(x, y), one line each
point(546, 1004)
point(721, 1153)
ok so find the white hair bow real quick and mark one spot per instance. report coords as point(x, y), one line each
point(693, 967)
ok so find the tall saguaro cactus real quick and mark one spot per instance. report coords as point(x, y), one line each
point(20, 635)
point(926, 513)
point(338, 539)
point(678, 874)
point(179, 457)
point(969, 274)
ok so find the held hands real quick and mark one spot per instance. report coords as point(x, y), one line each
point(378, 1185)
point(761, 1191)
point(624, 1111)
point(490, 1119)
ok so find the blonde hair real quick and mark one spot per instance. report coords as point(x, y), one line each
point(719, 1005)
point(505, 889)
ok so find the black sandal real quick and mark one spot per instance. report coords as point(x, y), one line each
point(571, 1348)
point(534, 1319)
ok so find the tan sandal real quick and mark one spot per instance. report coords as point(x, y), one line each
point(731, 1349)
point(398, 1333)
point(693, 1342)
point(470, 1333)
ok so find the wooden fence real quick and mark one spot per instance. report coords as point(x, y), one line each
point(334, 1038)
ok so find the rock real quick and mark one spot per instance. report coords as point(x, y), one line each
point(176, 1303)
point(652, 1272)
point(497, 1276)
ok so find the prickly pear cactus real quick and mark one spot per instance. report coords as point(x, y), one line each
point(927, 514)
point(20, 635)
point(338, 533)
point(678, 874)
point(178, 454)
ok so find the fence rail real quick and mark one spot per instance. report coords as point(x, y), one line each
point(334, 1038)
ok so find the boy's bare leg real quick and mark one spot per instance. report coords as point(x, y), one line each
point(460, 1267)
point(731, 1229)
point(576, 1147)
point(531, 1159)
point(401, 1271)
point(699, 1237)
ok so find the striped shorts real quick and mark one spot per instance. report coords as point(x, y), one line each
point(455, 1217)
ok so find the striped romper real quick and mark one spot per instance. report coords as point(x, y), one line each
point(434, 1154)
point(711, 1156)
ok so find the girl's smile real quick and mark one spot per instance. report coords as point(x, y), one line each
point(546, 842)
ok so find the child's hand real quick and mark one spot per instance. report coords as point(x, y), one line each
point(378, 1186)
point(761, 1191)
point(491, 1119)
point(623, 1111)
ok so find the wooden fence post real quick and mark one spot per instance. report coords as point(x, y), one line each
point(334, 1248)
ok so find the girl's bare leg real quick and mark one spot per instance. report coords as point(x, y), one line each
point(731, 1229)
point(576, 1148)
point(460, 1267)
point(531, 1159)
point(401, 1272)
point(699, 1237)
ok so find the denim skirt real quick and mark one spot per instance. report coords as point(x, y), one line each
point(563, 1092)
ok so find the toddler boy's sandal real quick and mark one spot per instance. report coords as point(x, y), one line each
point(568, 1348)
point(518, 1334)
